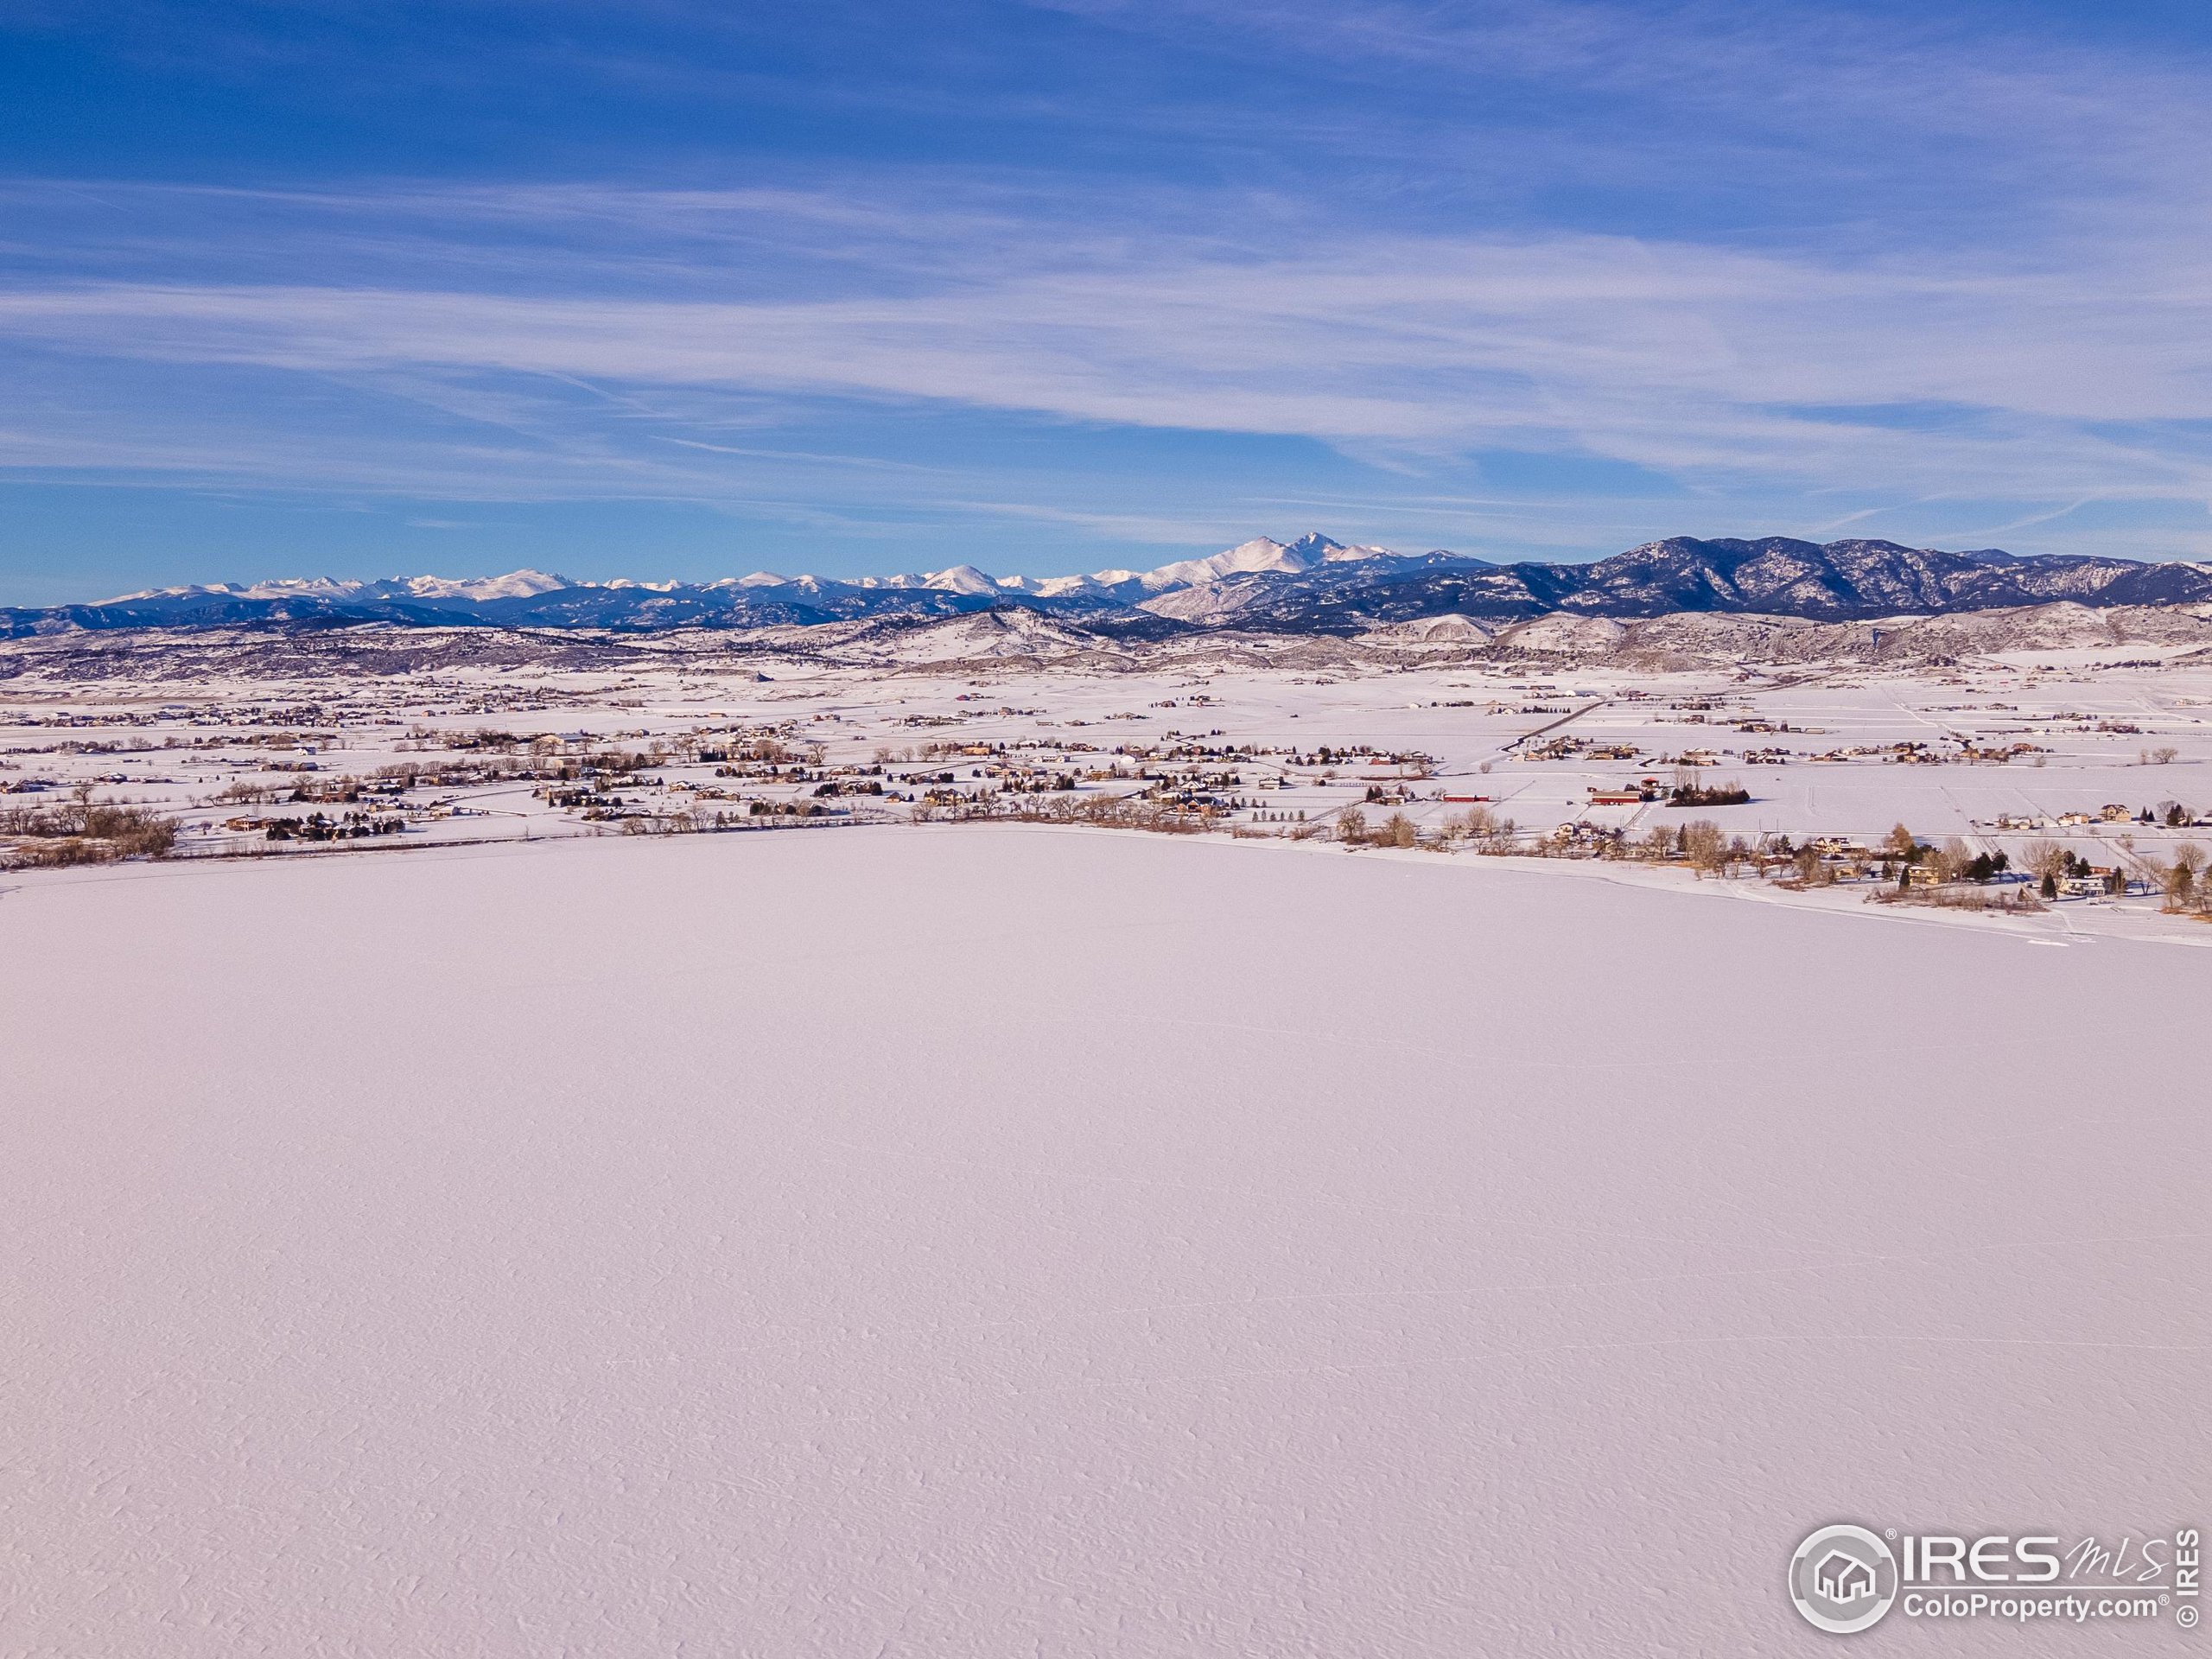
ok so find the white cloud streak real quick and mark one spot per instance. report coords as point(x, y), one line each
point(1677, 358)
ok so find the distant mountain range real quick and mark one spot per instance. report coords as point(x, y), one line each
point(1311, 586)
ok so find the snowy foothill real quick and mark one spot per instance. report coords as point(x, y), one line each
point(1004, 1239)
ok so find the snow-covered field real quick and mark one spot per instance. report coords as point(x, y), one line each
point(1006, 1241)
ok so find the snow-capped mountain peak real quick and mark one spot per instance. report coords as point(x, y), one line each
point(1259, 554)
point(1312, 584)
point(960, 579)
point(293, 587)
point(516, 584)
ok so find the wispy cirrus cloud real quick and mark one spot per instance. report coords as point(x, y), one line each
point(1682, 358)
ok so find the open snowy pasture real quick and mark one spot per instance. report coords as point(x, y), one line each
point(999, 1241)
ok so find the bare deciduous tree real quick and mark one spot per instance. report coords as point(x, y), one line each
point(2180, 881)
point(1704, 846)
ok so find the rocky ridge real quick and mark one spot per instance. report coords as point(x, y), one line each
point(1311, 587)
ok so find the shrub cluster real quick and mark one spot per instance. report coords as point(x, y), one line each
point(1691, 794)
point(1106, 811)
point(81, 831)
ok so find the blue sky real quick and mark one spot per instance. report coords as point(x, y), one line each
point(675, 289)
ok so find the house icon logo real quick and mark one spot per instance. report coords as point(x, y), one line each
point(1843, 1578)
